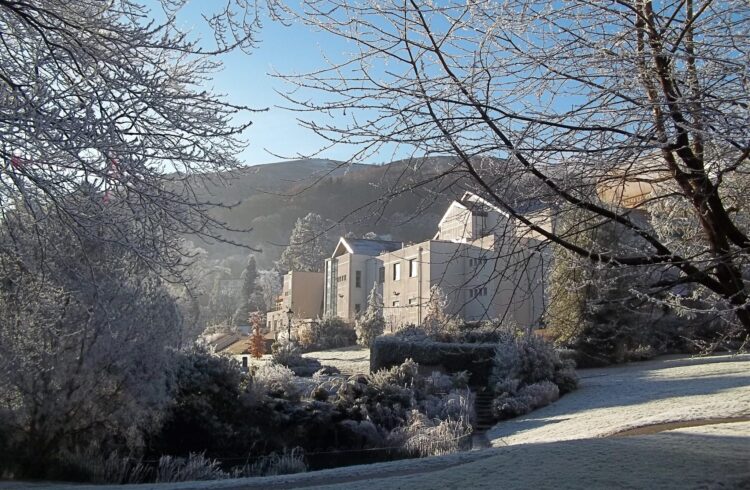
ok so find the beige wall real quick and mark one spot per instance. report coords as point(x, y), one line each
point(404, 299)
point(303, 293)
point(350, 293)
point(459, 224)
point(305, 296)
point(480, 283)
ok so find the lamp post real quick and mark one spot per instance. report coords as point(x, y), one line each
point(289, 314)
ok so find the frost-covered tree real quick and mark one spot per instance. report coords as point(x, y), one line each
point(549, 102)
point(269, 282)
point(438, 320)
point(309, 245)
point(251, 298)
point(594, 307)
point(371, 323)
point(222, 303)
point(85, 325)
point(95, 92)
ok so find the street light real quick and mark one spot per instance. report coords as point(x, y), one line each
point(289, 314)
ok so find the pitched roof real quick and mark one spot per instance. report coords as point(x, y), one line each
point(240, 346)
point(221, 343)
point(362, 246)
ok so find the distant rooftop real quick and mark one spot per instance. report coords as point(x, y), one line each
point(363, 246)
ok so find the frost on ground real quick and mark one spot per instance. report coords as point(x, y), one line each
point(614, 399)
point(561, 446)
point(349, 360)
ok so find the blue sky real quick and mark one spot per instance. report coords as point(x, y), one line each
point(246, 79)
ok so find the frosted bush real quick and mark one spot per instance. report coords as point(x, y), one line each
point(538, 358)
point(438, 382)
point(285, 463)
point(527, 374)
point(461, 379)
point(366, 431)
point(506, 406)
point(328, 333)
point(427, 437)
point(331, 386)
point(507, 361)
point(540, 394)
point(195, 467)
point(285, 353)
point(403, 375)
point(411, 333)
point(507, 385)
point(288, 354)
point(274, 380)
point(455, 405)
point(565, 377)
point(529, 359)
point(91, 466)
point(528, 398)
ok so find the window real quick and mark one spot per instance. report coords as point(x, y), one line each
point(358, 279)
point(244, 362)
point(381, 275)
point(412, 301)
point(357, 308)
point(397, 271)
point(396, 304)
point(413, 268)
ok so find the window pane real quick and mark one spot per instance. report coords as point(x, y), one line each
point(412, 268)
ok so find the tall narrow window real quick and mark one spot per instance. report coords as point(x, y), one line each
point(381, 275)
point(413, 268)
point(358, 279)
point(357, 308)
point(397, 271)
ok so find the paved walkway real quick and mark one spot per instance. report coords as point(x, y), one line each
point(615, 399)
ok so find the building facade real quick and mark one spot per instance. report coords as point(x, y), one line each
point(302, 292)
point(486, 265)
point(351, 272)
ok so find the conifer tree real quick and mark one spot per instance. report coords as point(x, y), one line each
point(308, 247)
point(372, 323)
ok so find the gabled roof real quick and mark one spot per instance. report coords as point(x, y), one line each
point(470, 202)
point(362, 246)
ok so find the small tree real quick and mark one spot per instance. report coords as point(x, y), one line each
point(222, 304)
point(438, 321)
point(251, 298)
point(257, 349)
point(269, 283)
point(372, 323)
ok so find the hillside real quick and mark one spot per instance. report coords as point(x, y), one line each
point(403, 199)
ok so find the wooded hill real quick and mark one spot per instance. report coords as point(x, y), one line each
point(403, 199)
